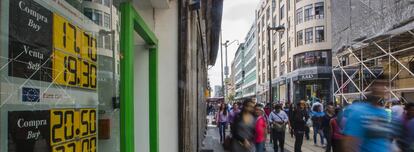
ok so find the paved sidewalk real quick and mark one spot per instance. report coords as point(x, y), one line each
point(212, 142)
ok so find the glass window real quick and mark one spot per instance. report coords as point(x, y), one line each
point(268, 14)
point(308, 12)
point(107, 20)
point(319, 34)
point(97, 17)
point(309, 35)
point(311, 59)
point(282, 12)
point(107, 41)
point(282, 49)
point(319, 10)
point(55, 76)
point(88, 13)
point(299, 16)
point(107, 3)
point(299, 38)
point(282, 68)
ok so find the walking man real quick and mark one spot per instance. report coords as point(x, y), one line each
point(300, 117)
point(278, 119)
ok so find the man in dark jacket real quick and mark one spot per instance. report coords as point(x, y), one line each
point(299, 118)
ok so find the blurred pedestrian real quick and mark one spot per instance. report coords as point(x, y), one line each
point(244, 129)
point(222, 119)
point(233, 113)
point(309, 124)
point(326, 128)
point(406, 143)
point(299, 118)
point(367, 128)
point(288, 110)
point(317, 118)
point(335, 134)
point(278, 119)
point(260, 129)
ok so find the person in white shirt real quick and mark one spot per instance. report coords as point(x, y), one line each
point(278, 119)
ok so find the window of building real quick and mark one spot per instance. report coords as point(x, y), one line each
point(274, 54)
point(100, 41)
point(107, 41)
point(282, 49)
point(308, 12)
point(274, 20)
point(88, 13)
point(319, 34)
point(309, 35)
point(299, 16)
point(97, 17)
point(282, 68)
point(298, 1)
point(107, 3)
point(107, 20)
point(299, 38)
point(311, 59)
point(273, 5)
point(319, 10)
point(282, 12)
point(268, 14)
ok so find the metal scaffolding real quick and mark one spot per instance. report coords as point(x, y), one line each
point(390, 54)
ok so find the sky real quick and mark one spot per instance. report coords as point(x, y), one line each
point(238, 16)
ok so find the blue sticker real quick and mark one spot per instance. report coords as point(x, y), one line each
point(30, 95)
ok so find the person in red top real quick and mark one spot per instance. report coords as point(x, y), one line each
point(260, 129)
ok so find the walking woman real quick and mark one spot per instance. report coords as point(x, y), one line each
point(244, 129)
point(222, 117)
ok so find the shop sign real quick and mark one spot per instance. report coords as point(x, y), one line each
point(46, 46)
point(307, 77)
point(52, 130)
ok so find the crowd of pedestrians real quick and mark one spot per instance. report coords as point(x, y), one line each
point(375, 124)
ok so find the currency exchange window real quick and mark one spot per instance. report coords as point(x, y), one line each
point(58, 91)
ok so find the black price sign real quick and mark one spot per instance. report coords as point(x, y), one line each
point(28, 131)
point(30, 40)
point(55, 130)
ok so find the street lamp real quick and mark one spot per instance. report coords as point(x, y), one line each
point(269, 29)
point(226, 68)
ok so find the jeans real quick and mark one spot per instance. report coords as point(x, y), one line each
point(298, 141)
point(278, 136)
point(222, 130)
point(316, 131)
point(260, 147)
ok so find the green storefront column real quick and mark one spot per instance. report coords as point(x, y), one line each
point(131, 23)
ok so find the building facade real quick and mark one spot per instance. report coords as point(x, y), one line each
point(300, 55)
point(372, 39)
point(245, 67)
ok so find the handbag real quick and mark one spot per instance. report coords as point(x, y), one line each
point(279, 127)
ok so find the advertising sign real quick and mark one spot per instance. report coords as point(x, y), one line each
point(30, 41)
point(56, 130)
